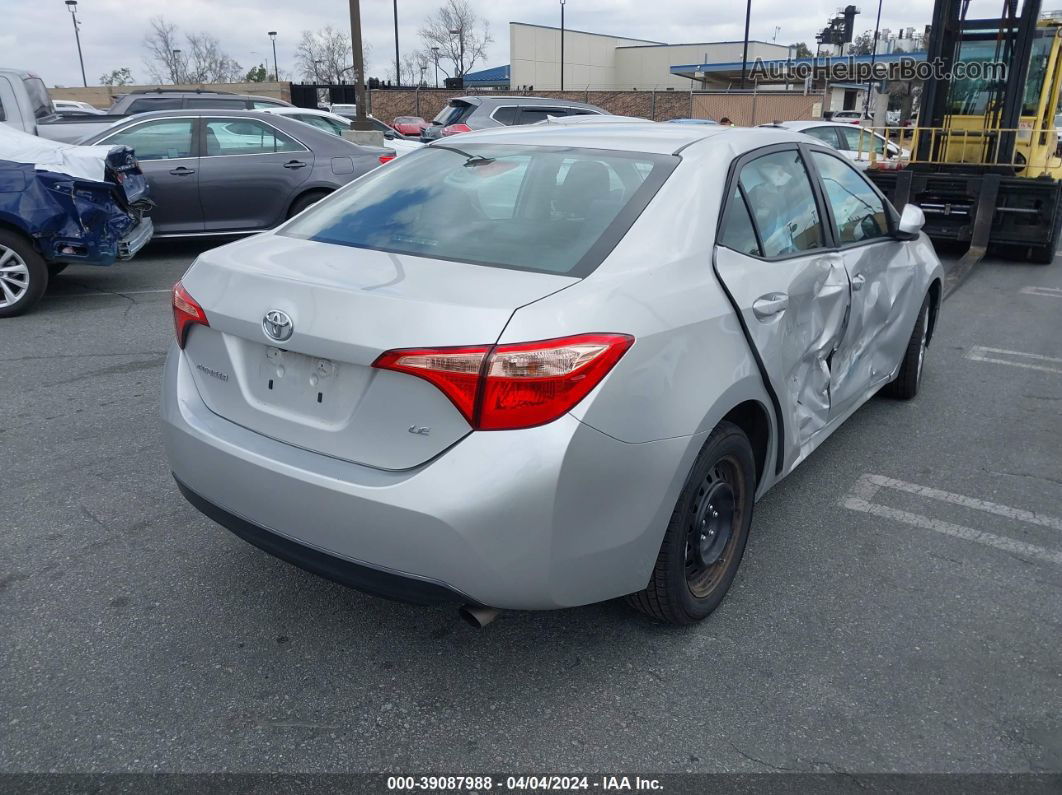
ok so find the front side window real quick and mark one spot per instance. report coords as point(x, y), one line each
point(246, 137)
point(521, 207)
point(782, 204)
point(165, 139)
point(858, 211)
point(321, 123)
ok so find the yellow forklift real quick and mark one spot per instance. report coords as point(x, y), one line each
point(985, 163)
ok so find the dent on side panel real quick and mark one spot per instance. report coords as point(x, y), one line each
point(813, 327)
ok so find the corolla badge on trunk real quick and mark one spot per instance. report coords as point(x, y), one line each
point(277, 325)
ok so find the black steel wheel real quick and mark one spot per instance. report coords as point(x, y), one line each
point(706, 537)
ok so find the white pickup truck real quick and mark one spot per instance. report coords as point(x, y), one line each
point(26, 106)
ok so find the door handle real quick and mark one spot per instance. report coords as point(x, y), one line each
point(294, 164)
point(181, 171)
point(858, 281)
point(769, 305)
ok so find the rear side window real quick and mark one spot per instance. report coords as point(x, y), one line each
point(828, 135)
point(782, 204)
point(535, 115)
point(859, 140)
point(505, 115)
point(147, 105)
point(858, 211)
point(535, 208)
point(737, 232)
point(246, 137)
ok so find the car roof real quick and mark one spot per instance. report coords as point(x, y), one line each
point(649, 137)
point(803, 124)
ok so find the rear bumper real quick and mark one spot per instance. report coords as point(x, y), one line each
point(370, 579)
point(547, 517)
point(139, 237)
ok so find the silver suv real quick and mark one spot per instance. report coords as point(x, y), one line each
point(465, 114)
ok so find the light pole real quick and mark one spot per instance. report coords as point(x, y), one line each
point(276, 72)
point(435, 53)
point(873, 56)
point(460, 33)
point(360, 121)
point(398, 65)
point(71, 6)
point(562, 2)
point(175, 73)
point(745, 49)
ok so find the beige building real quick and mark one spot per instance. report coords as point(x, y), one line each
point(600, 62)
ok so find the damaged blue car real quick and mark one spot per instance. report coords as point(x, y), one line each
point(62, 204)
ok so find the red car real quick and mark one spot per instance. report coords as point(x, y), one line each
point(409, 125)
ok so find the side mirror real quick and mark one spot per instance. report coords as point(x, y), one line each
point(912, 219)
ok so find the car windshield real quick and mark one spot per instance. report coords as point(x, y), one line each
point(552, 210)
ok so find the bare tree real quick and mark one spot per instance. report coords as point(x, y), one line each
point(324, 56)
point(461, 36)
point(414, 66)
point(164, 60)
point(208, 63)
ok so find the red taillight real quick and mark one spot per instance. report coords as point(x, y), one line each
point(386, 158)
point(454, 129)
point(504, 387)
point(186, 312)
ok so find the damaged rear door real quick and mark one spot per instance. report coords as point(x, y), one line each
point(167, 153)
point(790, 290)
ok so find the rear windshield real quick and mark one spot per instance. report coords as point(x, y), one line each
point(546, 209)
point(452, 113)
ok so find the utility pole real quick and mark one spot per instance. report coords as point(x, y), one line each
point(745, 50)
point(398, 65)
point(361, 121)
point(873, 56)
point(435, 53)
point(71, 6)
point(460, 71)
point(562, 2)
point(276, 72)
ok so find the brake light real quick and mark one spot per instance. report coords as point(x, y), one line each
point(454, 129)
point(386, 158)
point(186, 312)
point(521, 385)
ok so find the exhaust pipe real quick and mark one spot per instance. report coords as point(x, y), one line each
point(478, 616)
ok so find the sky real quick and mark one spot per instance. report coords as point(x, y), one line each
point(38, 34)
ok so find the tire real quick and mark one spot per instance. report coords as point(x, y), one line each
point(305, 201)
point(706, 537)
point(23, 274)
point(905, 385)
point(55, 268)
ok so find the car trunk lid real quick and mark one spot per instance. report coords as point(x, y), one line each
point(318, 389)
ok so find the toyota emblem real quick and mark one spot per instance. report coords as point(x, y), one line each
point(277, 325)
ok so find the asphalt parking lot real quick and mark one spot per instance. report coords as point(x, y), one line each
point(899, 608)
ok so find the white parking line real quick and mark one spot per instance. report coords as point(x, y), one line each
point(979, 353)
point(1053, 292)
point(866, 488)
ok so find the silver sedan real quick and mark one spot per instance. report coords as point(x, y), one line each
point(544, 366)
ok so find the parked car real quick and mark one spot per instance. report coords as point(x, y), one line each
point(849, 116)
point(26, 105)
point(236, 171)
point(464, 114)
point(333, 122)
point(409, 125)
point(63, 204)
point(74, 107)
point(856, 143)
point(534, 371)
point(347, 111)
